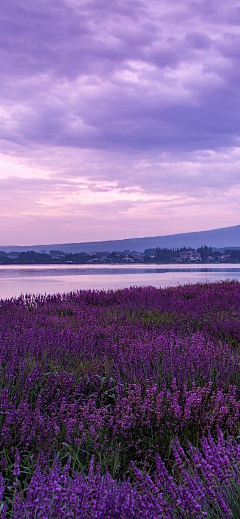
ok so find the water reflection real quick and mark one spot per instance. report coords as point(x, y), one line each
point(19, 279)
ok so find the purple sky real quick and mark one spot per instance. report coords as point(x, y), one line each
point(118, 118)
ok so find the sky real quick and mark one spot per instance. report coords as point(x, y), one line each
point(118, 118)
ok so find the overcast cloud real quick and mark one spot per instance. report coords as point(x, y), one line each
point(118, 118)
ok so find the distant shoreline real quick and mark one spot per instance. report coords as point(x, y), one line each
point(184, 255)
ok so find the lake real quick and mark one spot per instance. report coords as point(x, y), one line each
point(49, 279)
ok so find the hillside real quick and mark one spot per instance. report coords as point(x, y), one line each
point(218, 238)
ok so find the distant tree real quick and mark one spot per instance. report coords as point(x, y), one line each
point(31, 256)
point(234, 255)
point(165, 255)
point(205, 251)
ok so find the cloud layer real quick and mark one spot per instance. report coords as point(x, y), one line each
point(118, 118)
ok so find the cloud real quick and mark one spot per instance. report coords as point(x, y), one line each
point(104, 75)
point(115, 103)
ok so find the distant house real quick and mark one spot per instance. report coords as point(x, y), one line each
point(93, 260)
point(126, 259)
point(190, 255)
point(12, 255)
point(225, 257)
point(137, 256)
point(211, 258)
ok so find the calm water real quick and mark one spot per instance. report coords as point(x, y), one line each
point(42, 279)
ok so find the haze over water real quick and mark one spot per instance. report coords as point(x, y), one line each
point(42, 279)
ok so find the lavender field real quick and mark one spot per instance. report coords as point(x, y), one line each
point(121, 404)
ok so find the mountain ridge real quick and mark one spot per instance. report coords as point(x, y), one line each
point(223, 237)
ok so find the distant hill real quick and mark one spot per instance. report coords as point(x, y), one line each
point(217, 238)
